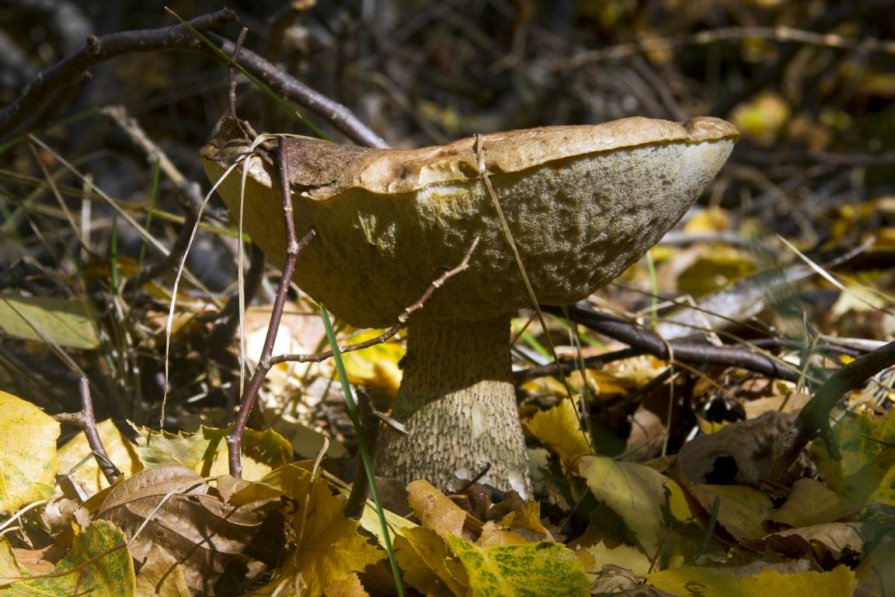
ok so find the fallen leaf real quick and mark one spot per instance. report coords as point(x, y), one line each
point(328, 547)
point(98, 564)
point(435, 510)
point(205, 451)
point(531, 569)
point(560, 431)
point(350, 586)
point(375, 367)
point(527, 520)
point(176, 511)
point(162, 575)
point(88, 475)
point(720, 582)
point(9, 568)
point(27, 453)
point(427, 564)
point(740, 453)
point(635, 492)
point(66, 322)
point(866, 471)
point(742, 510)
point(811, 503)
point(623, 556)
point(828, 543)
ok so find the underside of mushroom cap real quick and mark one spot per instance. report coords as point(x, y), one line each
point(582, 203)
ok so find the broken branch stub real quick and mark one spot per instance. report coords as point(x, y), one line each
point(582, 204)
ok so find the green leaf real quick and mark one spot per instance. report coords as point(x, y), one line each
point(27, 453)
point(67, 322)
point(866, 471)
point(98, 565)
point(205, 451)
point(635, 492)
point(511, 570)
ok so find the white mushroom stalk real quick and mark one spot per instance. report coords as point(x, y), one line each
point(582, 204)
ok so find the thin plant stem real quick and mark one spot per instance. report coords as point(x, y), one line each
point(363, 449)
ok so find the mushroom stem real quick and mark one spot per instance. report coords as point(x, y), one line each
point(458, 405)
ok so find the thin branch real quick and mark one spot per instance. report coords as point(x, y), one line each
point(71, 70)
point(814, 418)
point(780, 34)
point(86, 420)
point(650, 343)
point(293, 250)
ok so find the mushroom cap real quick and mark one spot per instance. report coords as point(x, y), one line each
point(582, 203)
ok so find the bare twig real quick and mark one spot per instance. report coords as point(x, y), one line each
point(814, 419)
point(70, 72)
point(86, 420)
point(293, 250)
point(650, 343)
point(781, 34)
point(97, 50)
point(232, 71)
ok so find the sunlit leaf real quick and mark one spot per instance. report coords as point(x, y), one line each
point(762, 117)
point(9, 570)
point(67, 322)
point(531, 569)
point(27, 453)
point(435, 510)
point(718, 582)
point(205, 451)
point(328, 547)
point(635, 492)
point(98, 564)
point(375, 367)
point(623, 556)
point(560, 431)
point(427, 564)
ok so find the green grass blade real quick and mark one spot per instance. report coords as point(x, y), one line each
point(362, 445)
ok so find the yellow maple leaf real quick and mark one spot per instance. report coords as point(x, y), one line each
point(328, 548)
point(558, 429)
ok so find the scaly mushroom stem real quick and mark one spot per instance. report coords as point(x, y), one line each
point(458, 404)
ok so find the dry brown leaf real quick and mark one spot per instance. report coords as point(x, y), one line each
point(742, 510)
point(830, 544)
point(740, 453)
point(811, 503)
point(162, 575)
point(196, 527)
point(435, 510)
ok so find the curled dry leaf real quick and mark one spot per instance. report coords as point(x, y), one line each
point(436, 511)
point(174, 508)
point(829, 544)
point(740, 453)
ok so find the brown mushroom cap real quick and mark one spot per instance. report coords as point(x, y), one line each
point(583, 203)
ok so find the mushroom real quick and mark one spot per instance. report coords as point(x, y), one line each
point(582, 203)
